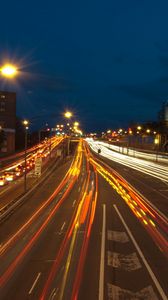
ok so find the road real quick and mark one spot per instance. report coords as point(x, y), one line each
point(133, 266)
point(15, 188)
point(149, 155)
point(149, 178)
point(84, 234)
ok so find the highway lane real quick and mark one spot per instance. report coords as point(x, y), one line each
point(152, 188)
point(41, 257)
point(33, 202)
point(122, 261)
point(156, 170)
point(55, 226)
point(41, 197)
point(147, 155)
point(86, 251)
point(9, 161)
point(11, 172)
point(16, 187)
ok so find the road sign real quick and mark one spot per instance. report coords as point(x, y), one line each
point(38, 165)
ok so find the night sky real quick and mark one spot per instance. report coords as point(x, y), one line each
point(107, 61)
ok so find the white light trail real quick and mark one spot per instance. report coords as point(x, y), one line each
point(147, 167)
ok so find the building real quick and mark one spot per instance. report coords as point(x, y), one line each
point(163, 119)
point(163, 114)
point(7, 122)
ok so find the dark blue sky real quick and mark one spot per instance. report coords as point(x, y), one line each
point(105, 60)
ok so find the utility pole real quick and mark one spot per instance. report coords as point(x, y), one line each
point(25, 173)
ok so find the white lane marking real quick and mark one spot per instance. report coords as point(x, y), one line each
point(117, 236)
point(152, 275)
point(63, 225)
point(73, 203)
point(115, 292)
point(128, 262)
point(53, 294)
point(102, 258)
point(34, 283)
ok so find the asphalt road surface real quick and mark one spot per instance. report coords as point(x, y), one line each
point(85, 234)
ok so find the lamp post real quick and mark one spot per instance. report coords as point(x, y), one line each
point(156, 142)
point(68, 115)
point(25, 123)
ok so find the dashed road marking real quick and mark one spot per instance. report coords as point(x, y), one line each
point(62, 227)
point(128, 262)
point(53, 294)
point(117, 236)
point(34, 283)
point(152, 275)
point(116, 293)
point(73, 203)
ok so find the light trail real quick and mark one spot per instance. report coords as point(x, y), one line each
point(17, 168)
point(69, 233)
point(81, 220)
point(152, 220)
point(133, 152)
point(39, 210)
point(17, 260)
point(147, 167)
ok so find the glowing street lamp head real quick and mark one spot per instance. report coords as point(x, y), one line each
point(139, 127)
point(8, 71)
point(25, 122)
point(76, 124)
point(68, 114)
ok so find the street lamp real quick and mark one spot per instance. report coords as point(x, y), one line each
point(8, 71)
point(25, 123)
point(68, 115)
point(139, 127)
point(76, 124)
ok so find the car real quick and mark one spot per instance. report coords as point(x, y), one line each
point(2, 180)
point(9, 176)
point(19, 170)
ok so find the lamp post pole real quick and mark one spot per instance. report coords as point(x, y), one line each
point(25, 123)
point(68, 115)
point(25, 173)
